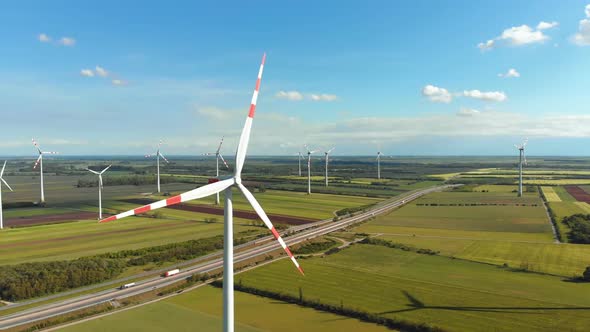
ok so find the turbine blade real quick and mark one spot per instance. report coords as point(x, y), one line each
point(245, 137)
point(6, 183)
point(95, 172)
point(268, 224)
point(219, 147)
point(100, 181)
point(161, 155)
point(3, 167)
point(37, 162)
point(36, 145)
point(201, 192)
point(221, 157)
point(332, 149)
point(104, 170)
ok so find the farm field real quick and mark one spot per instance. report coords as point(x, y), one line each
point(202, 308)
point(85, 238)
point(550, 194)
point(416, 287)
point(565, 260)
point(496, 215)
point(318, 206)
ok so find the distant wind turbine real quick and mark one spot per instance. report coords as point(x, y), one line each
point(40, 163)
point(99, 189)
point(300, 157)
point(522, 158)
point(5, 183)
point(218, 156)
point(158, 154)
point(309, 152)
point(327, 153)
point(226, 185)
point(379, 154)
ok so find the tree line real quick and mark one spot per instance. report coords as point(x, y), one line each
point(28, 280)
point(579, 225)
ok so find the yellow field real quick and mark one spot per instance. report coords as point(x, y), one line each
point(558, 182)
point(551, 195)
point(584, 206)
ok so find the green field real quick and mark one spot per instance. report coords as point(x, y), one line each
point(316, 206)
point(559, 259)
point(454, 294)
point(200, 310)
point(550, 194)
point(517, 222)
point(85, 238)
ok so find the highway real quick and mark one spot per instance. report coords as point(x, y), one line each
point(261, 247)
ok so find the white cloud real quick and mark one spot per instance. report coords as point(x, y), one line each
point(485, 96)
point(511, 73)
point(436, 94)
point(290, 95)
point(323, 97)
point(101, 71)
point(523, 35)
point(67, 41)
point(519, 36)
point(487, 45)
point(87, 72)
point(546, 25)
point(468, 112)
point(118, 82)
point(44, 38)
point(582, 38)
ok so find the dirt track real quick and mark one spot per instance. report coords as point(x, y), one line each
point(49, 219)
point(578, 193)
point(275, 218)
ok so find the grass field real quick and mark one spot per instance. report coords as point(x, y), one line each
point(85, 238)
point(559, 259)
point(316, 206)
point(550, 194)
point(454, 294)
point(478, 220)
point(200, 310)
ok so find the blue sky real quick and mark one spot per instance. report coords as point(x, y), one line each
point(112, 78)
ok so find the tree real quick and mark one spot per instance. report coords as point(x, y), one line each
point(586, 275)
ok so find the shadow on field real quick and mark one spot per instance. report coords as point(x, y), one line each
point(416, 304)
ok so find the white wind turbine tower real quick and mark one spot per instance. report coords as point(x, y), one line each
point(327, 154)
point(218, 156)
point(309, 152)
point(40, 163)
point(99, 189)
point(2, 181)
point(379, 154)
point(521, 158)
point(226, 186)
point(158, 154)
point(300, 157)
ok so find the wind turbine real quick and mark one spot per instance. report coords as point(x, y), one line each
point(6, 183)
point(309, 152)
point(327, 157)
point(158, 154)
point(99, 189)
point(522, 158)
point(218, 156)
point(225, 185)
point(40, 163)
point(379, 154)
point(300, 157)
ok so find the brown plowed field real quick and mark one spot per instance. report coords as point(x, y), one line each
point(49, 219)
point(275, 218)
point(578, 193)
